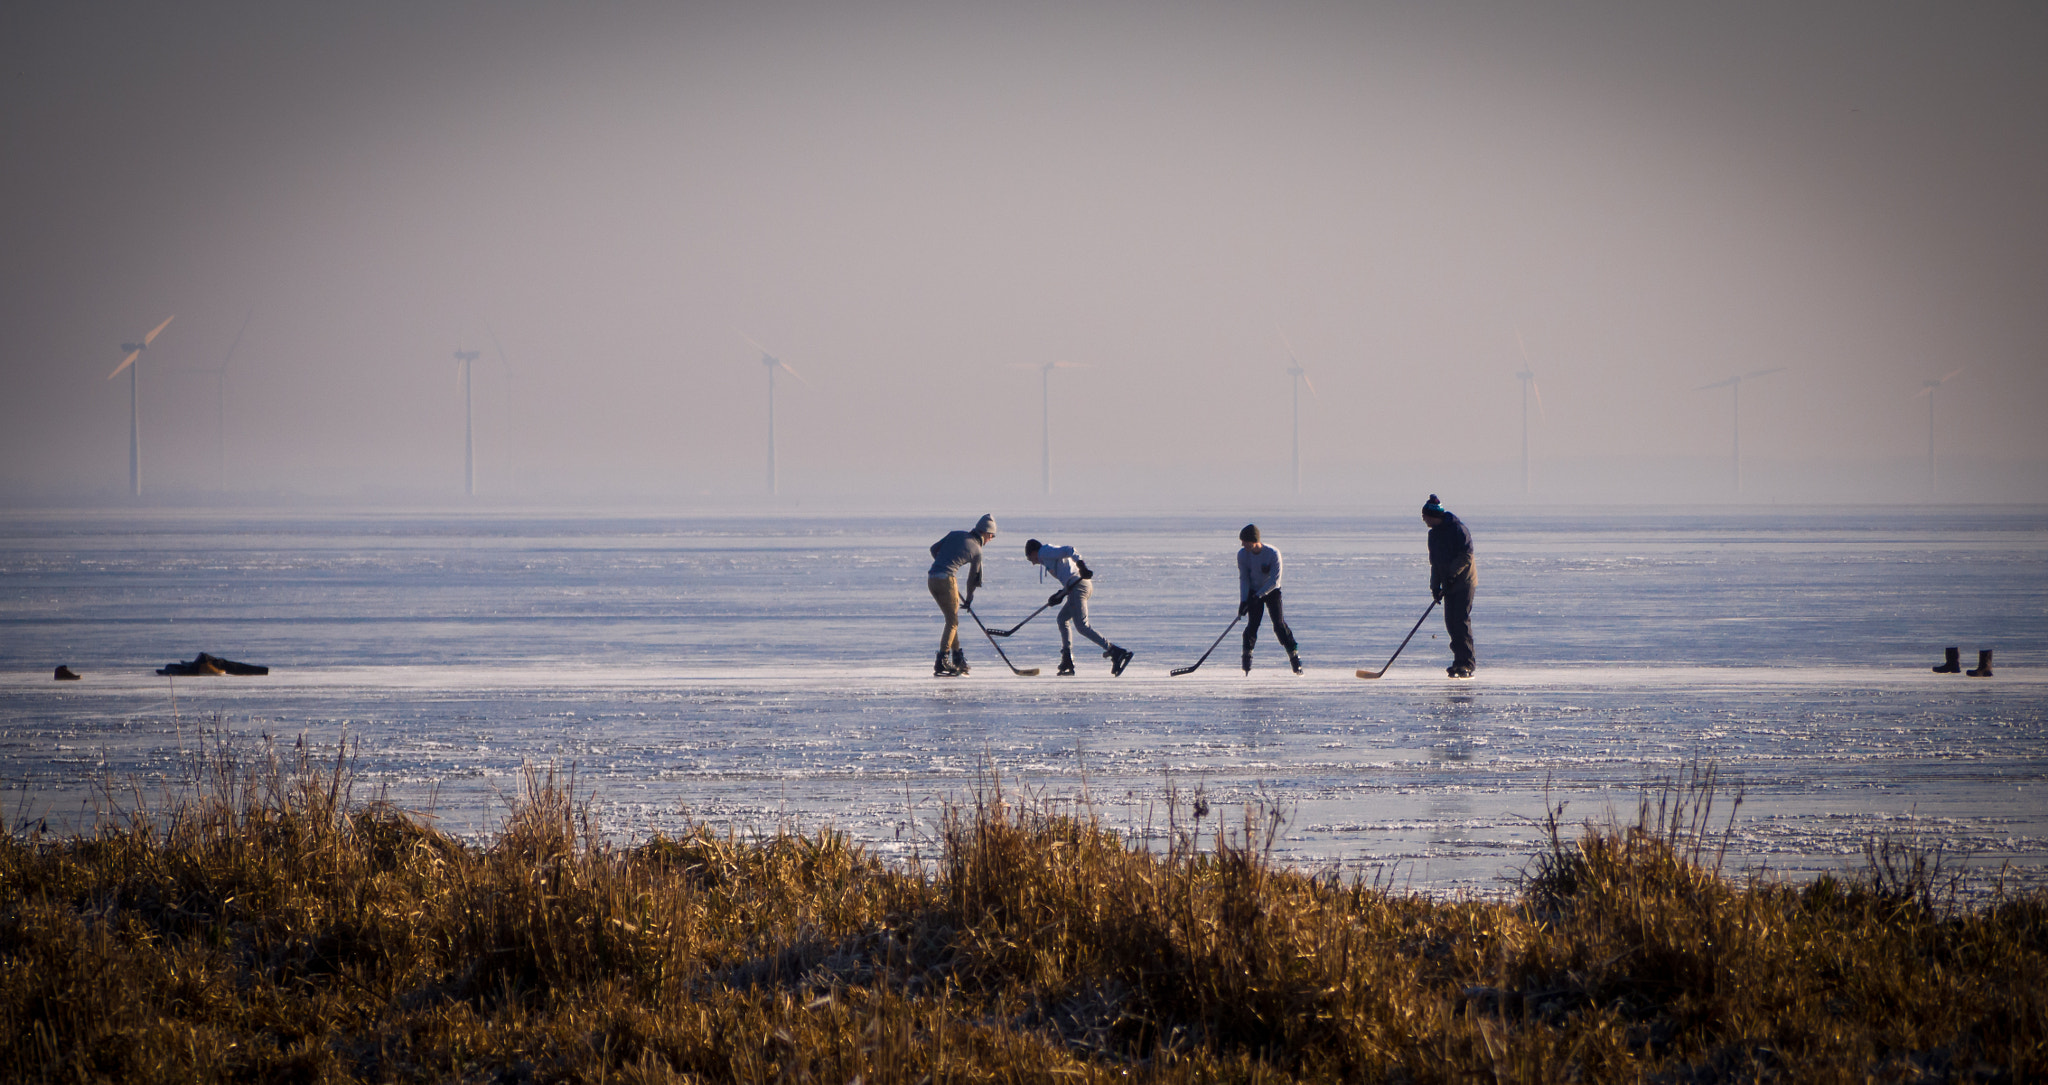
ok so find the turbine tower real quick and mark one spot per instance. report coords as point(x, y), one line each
point(464, 362)
point(1297, 376)
point(135, 402)
point(1927, 389)
point(1045, 415)
point(771, 363)
point(1528, 379)
point(1734, 386)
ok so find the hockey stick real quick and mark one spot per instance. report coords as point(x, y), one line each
point(1014, 669)
point(1022, 624)
point(1404, 643)
point(1178, 671)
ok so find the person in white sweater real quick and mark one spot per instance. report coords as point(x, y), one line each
point(1258, 592)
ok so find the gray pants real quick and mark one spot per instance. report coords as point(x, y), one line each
point(1075, 616)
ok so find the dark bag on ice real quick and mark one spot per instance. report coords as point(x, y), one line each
point(207, 663)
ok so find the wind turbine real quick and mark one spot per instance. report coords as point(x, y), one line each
point(1045, 414)
point(464, 361)
point(1528, 378)
point(1297, 376)
point(135, 401)
point(771, 363)
point(1734, 386)
point(1927, 389)
point(220, 404)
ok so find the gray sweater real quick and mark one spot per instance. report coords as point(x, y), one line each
point(1257, 573)
point(956, 549)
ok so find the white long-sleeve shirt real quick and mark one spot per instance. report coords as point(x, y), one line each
point(1257, 573)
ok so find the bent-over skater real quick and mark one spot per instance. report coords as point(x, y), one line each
point(958, 548)
point(1258, 593)
point(1452, 579)
point(1077, 583)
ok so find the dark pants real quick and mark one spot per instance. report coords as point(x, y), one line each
point(1260, 605)
point(1458, 617)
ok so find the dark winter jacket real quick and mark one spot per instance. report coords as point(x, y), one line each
point(1450, 552)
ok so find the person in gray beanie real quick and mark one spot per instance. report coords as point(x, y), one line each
point(957, 549)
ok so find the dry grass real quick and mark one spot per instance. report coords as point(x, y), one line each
point(269, 927)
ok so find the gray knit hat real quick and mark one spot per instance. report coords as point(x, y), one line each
point(986, 525)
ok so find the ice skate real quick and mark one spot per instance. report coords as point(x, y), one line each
point(1246, 663)
point(1066, 664)
point(943, 668)
point(960, 661)
point(1294, 660)
point(1119, 658)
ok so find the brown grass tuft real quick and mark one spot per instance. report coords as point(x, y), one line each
point(268, 926)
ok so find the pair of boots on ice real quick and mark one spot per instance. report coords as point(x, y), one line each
point(1293, 659)
point(1119, 658)
point(1954, 663)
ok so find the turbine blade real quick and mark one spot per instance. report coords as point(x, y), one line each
point(1285, 343)
point(500, 347)
point(1718, 384)
point(125, 363)
point(750, 341)
point(1524, 348)
point(237, 345)
point(1764, 372)
point(1952, 374)
point(1534, 387)
point(784, 366)
point(1072, 365)
point(1311, 386)
point(160, 327)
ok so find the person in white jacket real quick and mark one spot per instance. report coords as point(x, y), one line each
point(1077, 583)
point(1258, 593)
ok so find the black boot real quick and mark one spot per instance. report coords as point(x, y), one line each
point(1294, 660)
point(1066, 664)
point(943, 669)
point(1953, 664)
point(1119, 658)
point(1983, 665)
point(960, 661)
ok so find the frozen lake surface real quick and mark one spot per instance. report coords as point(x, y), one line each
point(760, 671)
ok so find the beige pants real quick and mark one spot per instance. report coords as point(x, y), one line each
point(946, 590)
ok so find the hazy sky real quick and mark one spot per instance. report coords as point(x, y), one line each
point(909, 203)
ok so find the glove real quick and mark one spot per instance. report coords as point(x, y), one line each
point(1054, 600)
point(1436, 594)
point(1244, 607)
point(967, 603)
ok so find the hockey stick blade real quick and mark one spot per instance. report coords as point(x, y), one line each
point(1178, 671)
point(1363, 673)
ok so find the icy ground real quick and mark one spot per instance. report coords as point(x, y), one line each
point(760, 672)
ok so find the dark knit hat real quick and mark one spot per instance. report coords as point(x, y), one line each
point(1432, 507)
point(1031, 546)
point(1250, 534)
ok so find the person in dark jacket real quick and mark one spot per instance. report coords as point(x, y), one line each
point(959, 549)
point(1452, 579)
point(1258, 591)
